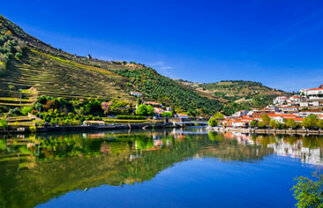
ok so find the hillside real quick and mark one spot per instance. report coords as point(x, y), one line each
point(246, 93)
point(37, 68)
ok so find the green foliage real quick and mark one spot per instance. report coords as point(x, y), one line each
point(265, 119)
point(310, 121)
point(8, 47)
point(3, 123)
point(130, 117)
point(145, 110)
point(230, 109)
point(167, 114)
point(290, 123)
point(158, 87)
point(32, 129)
point(218, 115)
point(25, 110)
point(213, 121)
point(308, 192)
point(261, 124)
point(253, 124)
point(274, 124)
point(319, 123)
point(14, 112)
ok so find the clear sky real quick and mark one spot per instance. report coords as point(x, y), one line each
point(276, 42)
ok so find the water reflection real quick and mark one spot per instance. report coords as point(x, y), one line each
point(37, 168)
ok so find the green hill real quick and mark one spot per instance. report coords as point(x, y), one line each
point(28, 63)
point(36, 68)
point(246, 93)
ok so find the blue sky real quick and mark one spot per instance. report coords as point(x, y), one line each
point(276, 42)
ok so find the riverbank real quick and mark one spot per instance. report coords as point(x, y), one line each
point(88, 128)
point(268, 131)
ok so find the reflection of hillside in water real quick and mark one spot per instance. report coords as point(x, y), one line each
point(35, 169)
point(309, 149)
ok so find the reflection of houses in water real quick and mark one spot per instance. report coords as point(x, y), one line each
point(282, 147)
point(296, 150)
point(241, 138)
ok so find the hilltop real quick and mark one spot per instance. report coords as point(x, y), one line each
point(247, 93)
point(37, 68)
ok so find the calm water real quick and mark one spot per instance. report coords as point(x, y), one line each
point(173, 168)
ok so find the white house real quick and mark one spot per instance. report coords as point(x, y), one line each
point(288, 108)
point(240, 113)
point(313, 91)
point(280, 100)
point(295, 99)
point(137, 94)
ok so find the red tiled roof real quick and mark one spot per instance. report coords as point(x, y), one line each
point(318, 88)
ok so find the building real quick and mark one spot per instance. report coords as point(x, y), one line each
point(280, 100)
point(313, 91)
point(288, 108)
point(240, 113)
point(137, 94)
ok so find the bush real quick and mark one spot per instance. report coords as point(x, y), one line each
point(3, 123)
point(310, 121)
point(130, 117)
point(309, 193)
point(253, 124)
point(213, 121)
point(14, 112)
point(25, 110)
point(167, 114)
point(290, 123)
point(145, 110)
point(33, 129)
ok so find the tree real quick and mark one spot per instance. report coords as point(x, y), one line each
point(319, 123)
point(290, 123)
point(213, 121)
point(25, 110)
point(218, 115)
point(273, 124)
point(310, 121)
point(167, 114)
point(261, 124)
point(3, 123)
point(309, 193)
point(265, 119)
point(145, 110)
point(253, 124)
point(150, 110)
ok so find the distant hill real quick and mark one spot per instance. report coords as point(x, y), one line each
point(247, 93)
point(37, 68)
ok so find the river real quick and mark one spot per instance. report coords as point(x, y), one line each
point(187, 167)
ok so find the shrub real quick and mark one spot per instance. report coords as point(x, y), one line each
point(213, 121)
point(253, 124)
point(145, 110)
point(14, 112)
point(319, 124)
point(3, 123)
point(167, 114)
point(309, 193)
point(265, 119)
point(290, 123)
point(130, 117)
point(25, 110)
point(32, 129)
point(273, 124)
point(310, 121)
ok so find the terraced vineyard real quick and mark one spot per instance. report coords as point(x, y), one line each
point(59, 78)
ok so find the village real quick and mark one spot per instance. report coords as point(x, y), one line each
point(293, 109)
